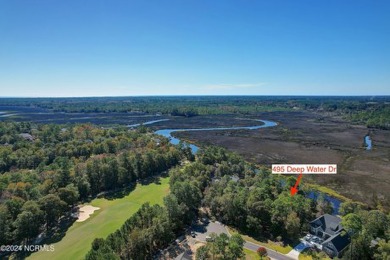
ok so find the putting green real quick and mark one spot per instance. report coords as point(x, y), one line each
point(111, 215)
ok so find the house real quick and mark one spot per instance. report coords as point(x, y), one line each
point(27, 136)
point(333, 238)
point(234, 178)
point(375, 242)
point(183, 256)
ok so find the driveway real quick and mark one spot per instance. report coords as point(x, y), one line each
point(204, 230)
point(297, 250)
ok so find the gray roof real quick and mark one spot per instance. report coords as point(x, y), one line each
point(340, 241)
point(375, 242)
point(235, 178)
point(27, 136)
point(183, 256)
point(330, 224)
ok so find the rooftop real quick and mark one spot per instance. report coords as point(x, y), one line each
point(330, 224)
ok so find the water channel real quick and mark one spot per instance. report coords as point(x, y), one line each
point(168, 133)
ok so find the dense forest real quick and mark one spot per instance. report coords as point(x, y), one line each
point(256, 203)
point(154, 227)
point(370, 111)
point(46, 169)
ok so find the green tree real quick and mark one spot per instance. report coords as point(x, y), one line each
point(349, 207)
point(376, 223)
point(83, 187)
point(53, 207)
point(5, 225)
point(235, 247)
point(29, 221)
point(174, 211)
point(202, 253)
point(220, 242)
point(69, 194)
point(352, 223)
point(323, 205)
point(222, 247)
point(293, 225)
point(189, 195)
point(14, 206)
point(63, 175)
point(383, 250)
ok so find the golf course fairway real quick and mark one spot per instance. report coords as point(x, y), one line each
point(111, 216)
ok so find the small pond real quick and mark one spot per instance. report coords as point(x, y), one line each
point(368, 142)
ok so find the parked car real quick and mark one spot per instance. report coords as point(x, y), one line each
point(308, 236)
point(180, 239)
point(317, 240)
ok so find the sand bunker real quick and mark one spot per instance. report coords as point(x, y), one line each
point(85, 212)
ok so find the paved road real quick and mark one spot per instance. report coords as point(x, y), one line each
point(202, 231)
point(271, 253)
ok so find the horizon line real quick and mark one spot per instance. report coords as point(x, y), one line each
point(200, 95)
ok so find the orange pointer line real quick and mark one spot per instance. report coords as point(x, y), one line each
point(294, 190)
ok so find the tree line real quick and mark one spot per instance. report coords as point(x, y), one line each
point(155, 227)
point(256, 203)
point(42, 179)
point(79, 161)
point(367, 110)
point(365, 226)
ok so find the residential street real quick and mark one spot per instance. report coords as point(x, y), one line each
point(202, 231)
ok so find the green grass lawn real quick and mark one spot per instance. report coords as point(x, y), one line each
point(328, 191)
point(250, 255)
point(269, 244)
point(111, 215)
point(306, 255)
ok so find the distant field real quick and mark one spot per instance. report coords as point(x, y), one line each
point(45, 116)
point(306, 138)
point(111, 216)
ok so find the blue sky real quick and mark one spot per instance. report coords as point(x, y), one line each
point(185, 47)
